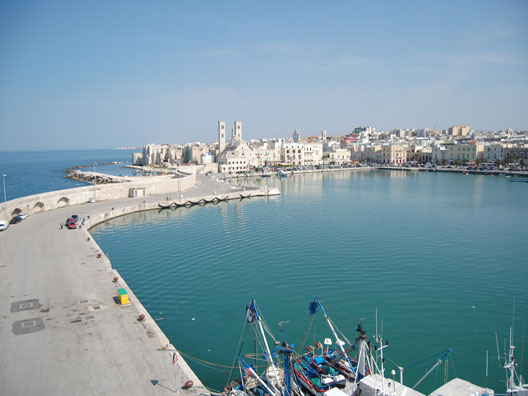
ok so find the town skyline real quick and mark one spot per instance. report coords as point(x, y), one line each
point(81, 75)
point(459, 144)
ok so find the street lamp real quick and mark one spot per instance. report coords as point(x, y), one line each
point(5, 197)
point(94, 182)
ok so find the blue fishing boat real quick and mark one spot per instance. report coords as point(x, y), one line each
point(274, 380)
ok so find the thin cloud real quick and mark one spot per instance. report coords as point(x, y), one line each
point(276, 46)
point(348, 61)
point(215, 52)
point(483, 58)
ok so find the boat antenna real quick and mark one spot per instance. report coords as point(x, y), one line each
point(376, 335)
point(487, 368)
point(513, 321)
point(522, 348)
point(498, 352)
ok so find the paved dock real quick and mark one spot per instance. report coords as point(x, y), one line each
point(62, 331)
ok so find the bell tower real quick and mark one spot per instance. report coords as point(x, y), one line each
point(237, 131)
point(221, 136)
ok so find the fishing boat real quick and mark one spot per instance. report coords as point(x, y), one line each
point(316, 375)
point(332, 368)
point(283, 173)
point(274, 380)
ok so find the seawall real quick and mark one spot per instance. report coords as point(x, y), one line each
point(136, 187)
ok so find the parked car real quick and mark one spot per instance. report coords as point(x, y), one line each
point(3, 225)
point(22, 216)
point(15, 220)
point(71, 224)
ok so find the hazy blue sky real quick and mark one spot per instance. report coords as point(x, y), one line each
point(100, 74)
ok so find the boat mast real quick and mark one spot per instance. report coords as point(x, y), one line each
point(337, 340)
point(252, 309)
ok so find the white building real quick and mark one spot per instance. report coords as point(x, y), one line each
point(237, 156)
point(301, 154)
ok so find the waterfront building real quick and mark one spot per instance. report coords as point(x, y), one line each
point(386, 153)
point(452, 152)
point(517, 153)
point(339, 156)
point(491, 152)
point(301, 154)
point(267, 152)
point(158, 154)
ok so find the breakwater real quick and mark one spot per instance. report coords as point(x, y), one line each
point(95, 178)
point(142, 187)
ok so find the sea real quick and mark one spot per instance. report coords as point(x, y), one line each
point(35, 172)
point(431, 262)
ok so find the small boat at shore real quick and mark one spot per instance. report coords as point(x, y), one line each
point(216, 200)
point(165, 205)
point(242, 196)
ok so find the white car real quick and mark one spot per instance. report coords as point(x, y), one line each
point(3, 225)
point(22, 216)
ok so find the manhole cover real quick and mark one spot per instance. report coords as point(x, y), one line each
point(25, 305)
point(27, 326)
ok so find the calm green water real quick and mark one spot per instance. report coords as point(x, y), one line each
point(440, 256)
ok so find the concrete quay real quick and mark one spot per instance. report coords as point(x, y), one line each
point(491, 172)
point(61, 329)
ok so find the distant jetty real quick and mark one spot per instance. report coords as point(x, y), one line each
point(72, 168)
point(93, 177)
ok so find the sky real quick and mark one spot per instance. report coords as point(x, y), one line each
point(103, 74)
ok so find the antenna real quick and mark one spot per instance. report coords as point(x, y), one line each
point(486, 368)
point(513, 322)
point(376, 335)
point(522, 349)
point(497, 341)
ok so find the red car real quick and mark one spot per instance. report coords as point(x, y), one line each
point(70, 223)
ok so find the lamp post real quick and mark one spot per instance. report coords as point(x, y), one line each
point(94, 182)
point(5, 197)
